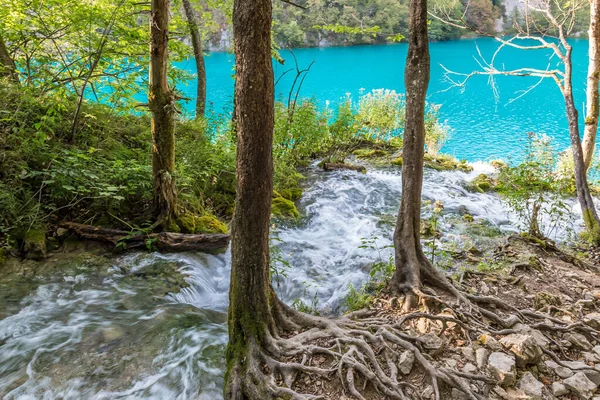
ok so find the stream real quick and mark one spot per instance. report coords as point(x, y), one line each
point(109, 329)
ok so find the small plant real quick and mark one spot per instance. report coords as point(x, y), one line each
point(279, 266)
point(357, 299)
point(302, 306)
point(383, 269)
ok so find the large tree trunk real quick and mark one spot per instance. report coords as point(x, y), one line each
point(198, 55)
point(161, 101)
point(590, 216)
point(8, 68)
point(591, 118)
point(412, 266)
point(251, 297)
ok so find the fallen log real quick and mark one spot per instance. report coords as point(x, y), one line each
point(334, 166)
point(163, 241)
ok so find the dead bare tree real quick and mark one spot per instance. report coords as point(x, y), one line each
point(592, 102)
point(533, 36)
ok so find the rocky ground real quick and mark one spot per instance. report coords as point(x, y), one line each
point(546, 346)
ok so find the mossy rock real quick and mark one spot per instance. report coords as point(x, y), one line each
point(190, 223)
point(444, 162)
point(284, 208)
point(482, 183)
point(483, 229)
point(499, 164)
point(369, 153)
point(543, 299)
point(397, 161)
point(292, 194)
point(209, 224)
point(34, 244)
point(468, 218)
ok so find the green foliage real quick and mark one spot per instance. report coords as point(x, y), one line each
point(534, 191)
point(357, 299)
point(380, 114)
point(436, 133)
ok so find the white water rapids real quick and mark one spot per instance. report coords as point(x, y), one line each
point(95, 332)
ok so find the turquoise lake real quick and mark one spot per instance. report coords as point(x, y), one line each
point(484, 127)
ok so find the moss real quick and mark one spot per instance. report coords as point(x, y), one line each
point(482, 183)
point(444, 162)
point(369, 153)
point(284, 208)
point(292, 194)
point(499, 164)
point(592, 233)
point(186, 223)
point(34, 243)
point(484, 229)
point(173, 227)
point(468, 218)
point(209, 224)
point(543, 299)
point(190, 223)
point(397, 161)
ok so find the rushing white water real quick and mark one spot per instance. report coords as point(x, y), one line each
point(107, 332)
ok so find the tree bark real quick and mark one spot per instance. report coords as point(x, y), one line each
point(251, 297)
point(592, 102)
point(8, 68)
point(588, 210)
point(161, 101)
point(198, 55)
point(412, 266)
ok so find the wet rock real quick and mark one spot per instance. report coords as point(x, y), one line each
point(580, 385)
point(531, 386)
point(524, 347)
point(502, 367)
point(558, 389)
point(579, 341)
point(406, 361)
point(481, 356)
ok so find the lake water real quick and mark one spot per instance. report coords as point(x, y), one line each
point(484, 127)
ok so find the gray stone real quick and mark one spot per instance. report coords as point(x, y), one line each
point(596, 350)
point(433, 343)
point(558, 389)
point(406, 361)
point(458, 395)
point(577, 366)
point(524, 347)
point(580, 385)
point(531, 386)
point(591, 356)
point(593, 320)
point(467, 353)
point(502, 367)
point(562, 372)
point(490, 342)
point(428, 392)
point(579, 341)
point(469, 368)
point(481, 356)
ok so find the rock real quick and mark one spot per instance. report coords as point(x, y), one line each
point(433, 343)
point(558, 389)
point(593, 320)
point(524, 347)
point(502, 367)
point(428, 392)
point(596, 350)
point(406, 361)
point(531, 386)
point(468, 353)
point(481, 356)
point(562, 372)
point(539, 337)
point(580, 366)
point(498, 393)
point(579, 341)
point(458, 395)
point(591, 356)
point(488, 341)
point(469, 368)
point(580, 385)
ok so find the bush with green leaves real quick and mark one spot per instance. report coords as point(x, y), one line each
point(534, 191)
point(436, 132)
point(380, 114)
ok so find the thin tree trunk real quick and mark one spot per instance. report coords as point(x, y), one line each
point(8, 68)
point(251, 297)
point(412, 266)
point(591, 118)
point(198, 55)
point(161, 101)
point(590, 216)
